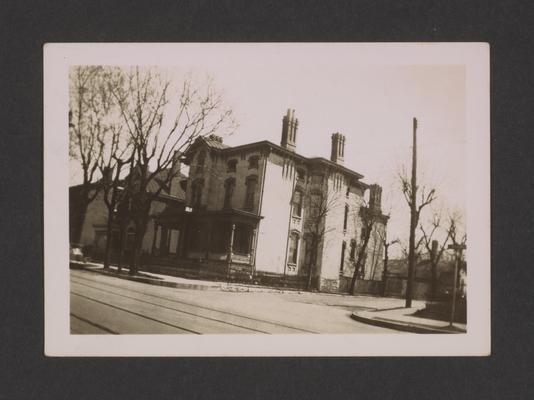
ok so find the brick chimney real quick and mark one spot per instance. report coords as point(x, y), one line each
point(289, 130)
point(338, 148)
point(375, 198)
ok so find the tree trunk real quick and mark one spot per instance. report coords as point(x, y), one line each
point(122, 246)
point(433, 284)
point(140, 230)
point(355, 275)
point(313, 261)
point(385, 270)
point(109, 233)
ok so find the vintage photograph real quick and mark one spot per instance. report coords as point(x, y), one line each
point(239, 190)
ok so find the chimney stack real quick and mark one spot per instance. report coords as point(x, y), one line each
point(338, 148)
point(375, 198)
point(289, 130)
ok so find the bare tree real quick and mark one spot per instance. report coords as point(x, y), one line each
point(368, 217)
point(320, 207)
point(386, 244)
point(146, 108)
point(409, 189)
point(111, 165)
point(89, 108)
point(434, 248)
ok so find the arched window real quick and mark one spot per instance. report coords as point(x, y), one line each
point(294, 239)
point(251, 182)
point(297, 203)
point(229, 186)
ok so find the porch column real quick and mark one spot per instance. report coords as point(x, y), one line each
point(252, 250)
point(230, 251)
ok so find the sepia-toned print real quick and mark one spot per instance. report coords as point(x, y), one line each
point(270, 192)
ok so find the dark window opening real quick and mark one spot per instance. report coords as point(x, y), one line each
point(231, 165)
point(253, 162)
point(293, 248)
point(196, 195)
point(251, 183)
point(345, 219)
point(201, 160)
point(297, 203)
point(242, 239)
point(229, 186)
point(220, 238)
point(300, 175)
point(342, 264)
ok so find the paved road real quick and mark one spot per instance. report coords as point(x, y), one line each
point(106, 305)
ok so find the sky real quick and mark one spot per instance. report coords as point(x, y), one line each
point(372, 104)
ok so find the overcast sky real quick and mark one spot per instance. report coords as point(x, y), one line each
point(333, 89)
point(372, 105)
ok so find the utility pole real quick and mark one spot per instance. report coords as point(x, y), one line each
point(413, 220)
point(458, 248)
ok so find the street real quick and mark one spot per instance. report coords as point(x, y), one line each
point(108, 305)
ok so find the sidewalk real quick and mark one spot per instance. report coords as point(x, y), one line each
point(380, 311)
point(183, 283)
point(402, 319)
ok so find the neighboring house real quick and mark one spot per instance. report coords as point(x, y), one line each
point(397, 277)
point(250, 213)
point(94, 226)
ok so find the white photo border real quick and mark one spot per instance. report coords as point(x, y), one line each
point(58, 340)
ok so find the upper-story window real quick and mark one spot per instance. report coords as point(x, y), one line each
point(346, 217)
point(317, 179)
point(229, 186)
point(251, 183)
point(253, 162)
point(196, 192)
point(201, 161)
point(301, 175)
point(348, 191)
point(231, 165)
point(316, 204)
point(297, 203)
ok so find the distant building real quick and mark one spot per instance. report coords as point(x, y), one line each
point(251, 212)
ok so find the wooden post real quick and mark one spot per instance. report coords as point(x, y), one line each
point(413, 220)
point(457, 251)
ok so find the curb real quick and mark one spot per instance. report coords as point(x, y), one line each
point(157, 282)
point(401, 326)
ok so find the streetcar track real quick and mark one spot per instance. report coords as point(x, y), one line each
point(170, 308)
point(188, 304)
point(135, 313)
point(102, 327)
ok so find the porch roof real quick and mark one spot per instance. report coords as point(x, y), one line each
point(173, 216)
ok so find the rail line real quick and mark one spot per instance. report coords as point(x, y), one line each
point(274, 324)
point(135, 313)
point(98, 326)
